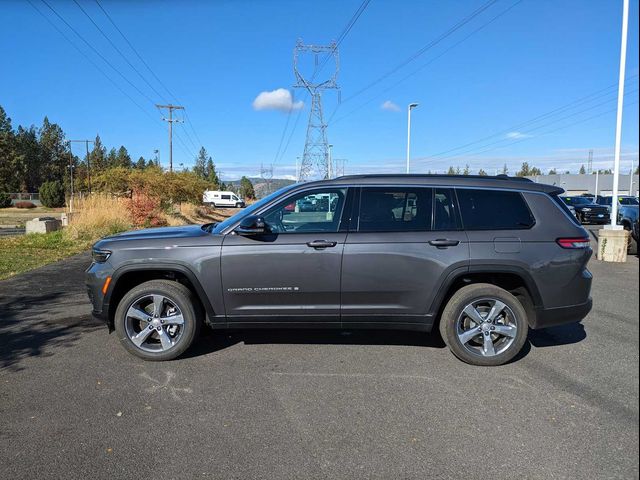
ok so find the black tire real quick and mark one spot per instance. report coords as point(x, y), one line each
point(475, 293)
point(176, 293)
point(238, 205)
point(632, 248)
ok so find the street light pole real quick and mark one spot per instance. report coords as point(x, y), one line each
point(409, 108)
point(616, 161)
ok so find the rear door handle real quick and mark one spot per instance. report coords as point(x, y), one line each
point(444, 243)
point(321, 244)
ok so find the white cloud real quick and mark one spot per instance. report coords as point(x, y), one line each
point(390, 106)
point(516, 135)
point(279, 99)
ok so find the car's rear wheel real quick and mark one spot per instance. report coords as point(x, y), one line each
point(157, 320)
point(484, 325)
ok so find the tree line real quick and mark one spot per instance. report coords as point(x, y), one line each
point(33, 156)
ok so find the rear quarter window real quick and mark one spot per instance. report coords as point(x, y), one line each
point(494, 210)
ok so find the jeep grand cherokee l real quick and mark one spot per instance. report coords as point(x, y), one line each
point(482, 259)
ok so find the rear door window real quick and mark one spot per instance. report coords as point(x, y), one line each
point(494, 210)
point(445, 216)
point(395, 209)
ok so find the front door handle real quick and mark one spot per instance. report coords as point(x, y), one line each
point(444, 243)
point(321, 244)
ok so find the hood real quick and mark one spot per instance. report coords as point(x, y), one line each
point(588, 205)
point(185, 231)
point(629, 211)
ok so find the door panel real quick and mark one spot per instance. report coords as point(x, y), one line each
point(394, 274)
point(282, 278)
point(293, 273)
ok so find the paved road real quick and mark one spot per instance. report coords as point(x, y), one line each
point(74, 404)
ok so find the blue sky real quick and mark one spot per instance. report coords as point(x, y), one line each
point(486, 80)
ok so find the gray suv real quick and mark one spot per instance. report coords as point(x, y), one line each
point(480, 258)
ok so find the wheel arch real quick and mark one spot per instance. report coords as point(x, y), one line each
point(127, 277)
point(515, 280)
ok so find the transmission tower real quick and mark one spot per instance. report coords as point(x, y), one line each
point(315, 159)
point(266, 175)
point(590, 162)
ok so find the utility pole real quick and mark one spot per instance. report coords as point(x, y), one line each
point(616, 158)
point(409, 108)
point(631, 179)
point(86, 143)
point(71, 183)
point(171, 121)
point(316, 147)
point(330, 163)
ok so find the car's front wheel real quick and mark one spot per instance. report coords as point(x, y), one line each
point(157, 320)
point(484, 325)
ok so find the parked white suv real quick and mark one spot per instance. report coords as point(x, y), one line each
point(218, 198)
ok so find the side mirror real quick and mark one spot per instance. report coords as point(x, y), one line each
point(252, 225)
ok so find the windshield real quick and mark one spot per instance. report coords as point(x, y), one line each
point(628, 200)
point(577, 200)
point(220, 227)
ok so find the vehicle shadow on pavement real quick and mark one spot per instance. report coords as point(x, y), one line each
point(560, 335)
point(30, 328)
point(212, 341)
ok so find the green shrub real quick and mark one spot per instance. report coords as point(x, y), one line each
point(52, 194)
point(5, 200)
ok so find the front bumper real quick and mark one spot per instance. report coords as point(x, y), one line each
point(595, 217)
point(550, 317)
point(95, 277)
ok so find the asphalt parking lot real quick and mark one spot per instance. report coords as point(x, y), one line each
point(282, 404)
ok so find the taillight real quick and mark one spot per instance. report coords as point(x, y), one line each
point(582, 242)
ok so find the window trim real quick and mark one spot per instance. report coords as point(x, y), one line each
point(355, 225)
point(456, 209)
point(288, 198)
point(485, 229)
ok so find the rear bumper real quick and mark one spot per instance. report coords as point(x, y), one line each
point(550, 317)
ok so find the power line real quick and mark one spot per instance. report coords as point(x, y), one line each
point(343, 34)
point(547, 132)
point(133, 67)
point(97, 52)
point(90, 60)
point(422, 67)
point(418, 53)
point(186, 149)
point(135, 51)
point(580, 101)
point(162, 84)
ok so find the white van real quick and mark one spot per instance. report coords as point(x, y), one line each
point(217, 198)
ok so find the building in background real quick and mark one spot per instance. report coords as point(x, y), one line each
point(578, 184)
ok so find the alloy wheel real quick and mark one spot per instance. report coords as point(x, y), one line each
point(154, 323)
point(486, 327)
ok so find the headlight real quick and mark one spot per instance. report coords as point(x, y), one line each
point(586, 209)
point(100, 256)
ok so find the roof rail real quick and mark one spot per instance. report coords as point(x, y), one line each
point(501, 176)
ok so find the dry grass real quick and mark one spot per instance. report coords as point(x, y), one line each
point(188, 213)
point(96, 216)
